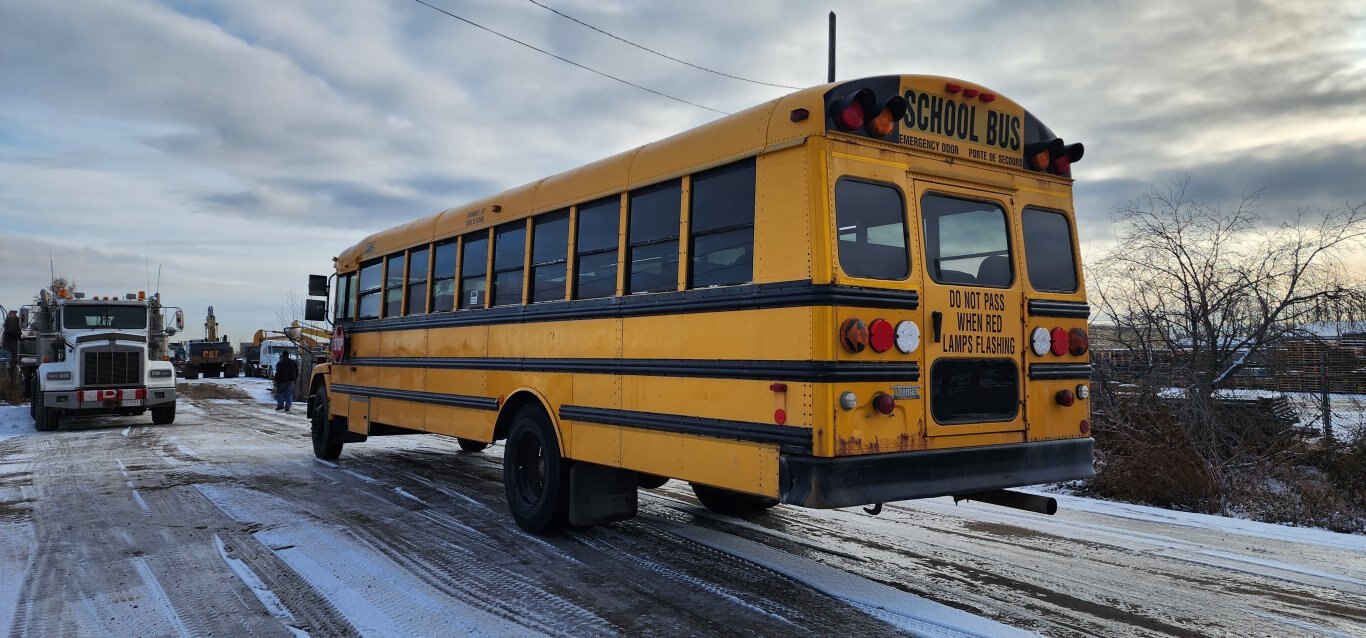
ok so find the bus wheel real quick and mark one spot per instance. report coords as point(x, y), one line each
point(730, 502)
point(535, 476)
point(327, 443)
point(471, 445)
point(650, 481)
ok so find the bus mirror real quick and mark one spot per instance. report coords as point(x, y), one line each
point(315, 310)
point(294, 333)
point(317, 285)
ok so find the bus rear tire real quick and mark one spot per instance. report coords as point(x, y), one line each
point(535, 476)
point(163, 415)
point(730, 502)
point(650, 481)
point(471, 445)
point(327, 442)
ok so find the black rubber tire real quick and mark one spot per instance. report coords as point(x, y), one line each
point(650, 481)
point(731, 502)
point(471, 445)
point(327, 441)
point(163, 414)
point(535, 476)
point(44, 420)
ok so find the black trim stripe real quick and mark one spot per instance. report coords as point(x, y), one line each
point(808, 371)
point(435, 398)
point(1060, 371)
point(111, 336)
point(790, 439)
point(1055, 308)
point(726, 298)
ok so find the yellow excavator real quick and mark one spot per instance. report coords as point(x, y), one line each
point(297, 339)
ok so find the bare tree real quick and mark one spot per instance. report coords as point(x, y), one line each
point(59, 283)
point(1219, 284)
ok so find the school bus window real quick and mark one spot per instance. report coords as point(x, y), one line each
point(653, 229)
point(341, 302)
point(549, 255)
point(966, 242)
point(974, 390)
point(509, 250)
point(472, 268)
point(595, 261)
point(443, 277)
point(368, 304)
point(416, 299)
point(352, 282)
point(1048, 251)
point(871, 220)
point(393, 286)
point(722, 226)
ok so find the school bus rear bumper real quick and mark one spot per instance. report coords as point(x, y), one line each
point(821, 482)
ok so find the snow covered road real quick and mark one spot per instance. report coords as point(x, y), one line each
point(224, 524)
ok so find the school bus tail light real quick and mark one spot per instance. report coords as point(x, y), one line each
point(1065, 398)
point(1077, 342)
point(881, 336)
point(884, 403)
point(1054, 156)
point(1061, 342)
point(849, 111)
point(892, 110)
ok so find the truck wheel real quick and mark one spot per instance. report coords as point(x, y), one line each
point(535, 476)
point(471, 445)
point(163, 415)
point(730, 502)
point(650, 481)
point(44, 419)
point(327, 443)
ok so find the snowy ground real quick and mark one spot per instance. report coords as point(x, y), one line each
point(223, 524)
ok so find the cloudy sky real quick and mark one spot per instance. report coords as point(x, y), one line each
point(236, 146)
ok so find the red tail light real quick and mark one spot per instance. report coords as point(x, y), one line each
point(884, 403)
point(850, 117)
point(881, 336)
point(1065, 398)
point(1061, 341)
point(1078, 342)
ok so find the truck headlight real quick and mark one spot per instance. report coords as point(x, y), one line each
point(160, 374)
point(59, 376)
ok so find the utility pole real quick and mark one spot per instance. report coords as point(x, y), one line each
point(830, 75)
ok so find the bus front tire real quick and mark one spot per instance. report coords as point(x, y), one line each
point(730, 502)
point(471, 445)
point(535, 476)
point(327, 443)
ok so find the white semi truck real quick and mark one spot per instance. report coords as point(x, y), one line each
point(98, 356)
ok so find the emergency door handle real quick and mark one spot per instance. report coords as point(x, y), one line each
point(937, 320)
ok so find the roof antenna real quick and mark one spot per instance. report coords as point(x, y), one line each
point(830, 76)
point(158, 281)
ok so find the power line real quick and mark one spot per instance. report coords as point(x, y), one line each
point(611, 77)
point(662, 55)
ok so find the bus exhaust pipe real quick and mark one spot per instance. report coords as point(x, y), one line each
point(1018, 500)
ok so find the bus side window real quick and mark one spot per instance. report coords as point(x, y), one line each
point(871, 221)
point(368, 304)
point(393, 286)
point(549, 251)
point(341, 299)
point(509, 251)
point(595, 260)
point(415, 302)
point(1048, 251)
point(472, 268)
point(722, 226)
point(966, 242)
point(443, 277)
point(652, 251)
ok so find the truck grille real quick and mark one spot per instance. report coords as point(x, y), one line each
point(112, 368)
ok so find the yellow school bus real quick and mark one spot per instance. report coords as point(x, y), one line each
point(862, 292)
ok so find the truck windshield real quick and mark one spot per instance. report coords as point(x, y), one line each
point(104, 316)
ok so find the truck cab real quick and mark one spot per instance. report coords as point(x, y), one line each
point(100, 356)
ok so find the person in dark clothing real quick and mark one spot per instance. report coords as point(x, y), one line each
point(10, 338)
point(286, 371)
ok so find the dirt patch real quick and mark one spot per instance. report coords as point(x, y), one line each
point(210, 391)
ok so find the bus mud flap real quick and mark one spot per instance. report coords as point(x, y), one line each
point(600, 494)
